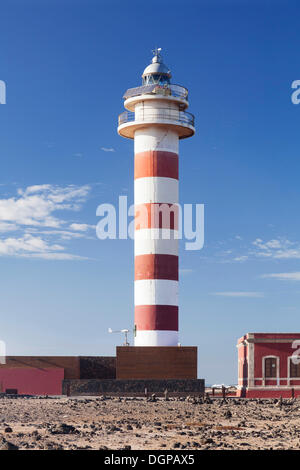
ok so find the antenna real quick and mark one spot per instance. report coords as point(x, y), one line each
point(156, 52)
point(125, 331)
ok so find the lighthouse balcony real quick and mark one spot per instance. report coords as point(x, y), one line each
point(181, 121)
point(167, 92)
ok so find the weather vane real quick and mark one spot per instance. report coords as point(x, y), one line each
point(156, 52)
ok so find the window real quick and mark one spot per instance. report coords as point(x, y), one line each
point(11, 391)
point(156, 79)
point(270, 367)
point(294, 369)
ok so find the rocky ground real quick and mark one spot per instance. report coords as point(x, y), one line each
point(137, 423)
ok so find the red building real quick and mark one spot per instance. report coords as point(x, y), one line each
point(44, 375)
point(268, 365)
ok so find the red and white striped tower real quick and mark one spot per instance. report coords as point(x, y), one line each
point(156, 119)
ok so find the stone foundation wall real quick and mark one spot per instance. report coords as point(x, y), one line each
point(134, 387)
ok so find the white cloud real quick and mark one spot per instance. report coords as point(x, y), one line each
point(241, 258)
point(275, 248)
point(81, 227)
point(32, 214)
point(36, 204)
point(280, 248)
point(295, 276)
point(108, 149)
point(30, 246)
point(27, 243)
point(55, 256)
point(288, 254)
point(184, 271)
point(62, 234)
point(239, 294)
point(7, 227)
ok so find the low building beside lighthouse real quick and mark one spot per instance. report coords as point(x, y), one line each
point(269, 365)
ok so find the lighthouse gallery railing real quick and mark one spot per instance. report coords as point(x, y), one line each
point(156, 115)
point(172, 90)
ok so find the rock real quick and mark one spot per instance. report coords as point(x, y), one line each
point(208, 441)
point(64, 429)
point(114, 429)
point(8, 429)
point(5, 445)
point(227, 414)
point(207, 399)
point(176, 445)
point(152, 398)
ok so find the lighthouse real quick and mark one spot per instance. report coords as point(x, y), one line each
point(156, 119)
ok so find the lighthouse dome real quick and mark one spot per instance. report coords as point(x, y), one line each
point(157, 67)
point(157, 71)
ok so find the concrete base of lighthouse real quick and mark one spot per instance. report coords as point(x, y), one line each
point(137, 368)
point(157, 362)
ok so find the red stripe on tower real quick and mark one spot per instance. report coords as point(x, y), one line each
point(155, 266)
point(156, 317)
point(156, 215)
point(156, 163)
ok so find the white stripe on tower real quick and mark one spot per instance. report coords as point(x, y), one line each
point(156, 240)
point(156, 245)
point(156, 291)
point(155, 189)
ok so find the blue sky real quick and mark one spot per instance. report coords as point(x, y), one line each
point(66, 65)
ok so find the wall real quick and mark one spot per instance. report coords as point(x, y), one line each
point(133, 387)
point(92, 367)
point(281, 350)
point(157, 362)
point(242, 365)
point(32, 381)
point(43, 375)
point(70, 364)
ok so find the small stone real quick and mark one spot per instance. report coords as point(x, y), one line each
point(5, 445)
point(63, 429)
point(227, 414)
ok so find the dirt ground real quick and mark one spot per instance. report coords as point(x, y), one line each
point(114, 423)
